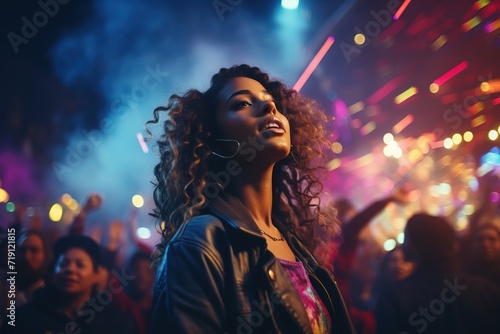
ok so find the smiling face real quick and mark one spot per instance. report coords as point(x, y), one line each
point(74, 272)
point(246, 112)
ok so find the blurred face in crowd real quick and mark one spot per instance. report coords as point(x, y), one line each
point(31, 252)
point(487, 243)
point(397, 267)
point(74, 273)
point(144, 278)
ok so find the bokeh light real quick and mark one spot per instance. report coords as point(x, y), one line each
point(143, 233)
point(468, 136)
point(138, 201)
point(457, 138)
point(389, 244)
point(4, 196)
point(56, 212)
point(448, 143)
point(493, 135)
point(10, 207)
point(359, 39)
point(388, 138)
point(433, 87)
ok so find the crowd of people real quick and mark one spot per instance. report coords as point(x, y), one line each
point(247, 246)
point(77, 283)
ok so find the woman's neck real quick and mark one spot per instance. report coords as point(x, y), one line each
point(255, 192)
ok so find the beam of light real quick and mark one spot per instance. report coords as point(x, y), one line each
point(476, 108)
point(471, 23)
point(360, 162)
point(142, 142)
point(402, 124)
point(480, 4)
point(406, 95)
point(478, 121)
point(367, 128)
point(492, 26)
point(356, 107)
point(439, 42)
point(451, 73)
point(314, 63)
point(401, 9)
point(488, 87)
point(290, 4)
point(383, 91)
point(334, 164)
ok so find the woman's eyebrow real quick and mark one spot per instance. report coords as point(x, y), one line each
point(245, 91)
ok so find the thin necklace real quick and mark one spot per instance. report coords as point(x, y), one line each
point(273, 238)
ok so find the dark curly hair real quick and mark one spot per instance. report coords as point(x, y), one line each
point(185, 148)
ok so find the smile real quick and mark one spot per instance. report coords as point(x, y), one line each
point(273, 124)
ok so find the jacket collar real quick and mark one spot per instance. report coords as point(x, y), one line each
point(232, 210)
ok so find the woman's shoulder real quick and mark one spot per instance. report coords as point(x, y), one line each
point(202, 229)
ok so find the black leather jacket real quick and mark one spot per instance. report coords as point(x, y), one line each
point(217, 276)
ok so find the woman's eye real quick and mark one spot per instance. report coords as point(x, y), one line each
point(242, 104)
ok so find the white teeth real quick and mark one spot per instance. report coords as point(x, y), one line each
point(271, 125)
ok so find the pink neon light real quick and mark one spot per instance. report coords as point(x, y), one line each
point(401, 9)
point(313, 64)
point(451, 73)
point(383, 91)
point(142, 143)
point(402, 124)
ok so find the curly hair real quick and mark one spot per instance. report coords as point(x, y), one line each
point(185, 148)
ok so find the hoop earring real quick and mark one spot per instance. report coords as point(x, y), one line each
point(293, 156)
point(228, 156)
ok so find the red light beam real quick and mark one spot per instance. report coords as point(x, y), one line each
point(313, 64)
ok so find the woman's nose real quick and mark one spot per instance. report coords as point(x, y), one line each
point(269, 108)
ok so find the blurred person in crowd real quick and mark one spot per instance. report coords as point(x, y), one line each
point(140, 288)
point(71, 305)
point(353, 222)
point(392, 268)
point(436, 298)
point(483, 258)
point(32, 262)
point(238, 190)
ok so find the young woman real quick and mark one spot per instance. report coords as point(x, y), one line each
point(238, 191)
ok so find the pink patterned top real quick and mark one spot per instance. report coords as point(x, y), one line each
point(316, 310)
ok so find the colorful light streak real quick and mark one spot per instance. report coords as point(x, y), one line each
point(451, 73)
point(406, 95)
point(367, 128)
point(472, 23)
point(478, 121)
point(313, 64)
point(142, 142)
point(492, 26)
point(384, 91)
point(401, 9)
point(402, 124)
point(439, 42)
